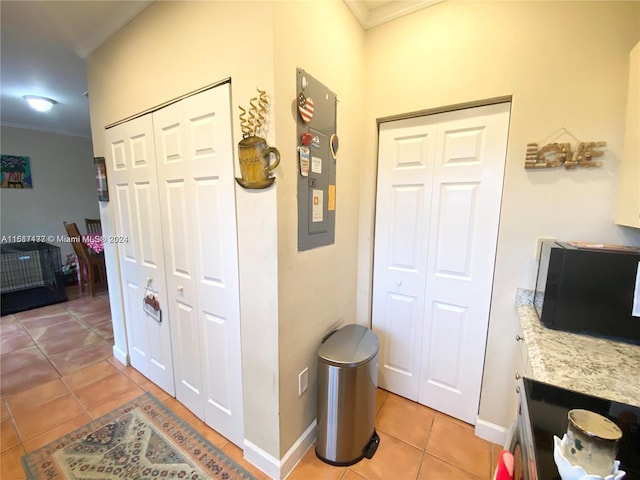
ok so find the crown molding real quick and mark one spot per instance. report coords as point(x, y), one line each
point(371, 17)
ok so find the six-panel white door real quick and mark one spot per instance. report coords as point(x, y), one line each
point(403, 206)
point(197, 193)
point(438, 205)
point(134, 190)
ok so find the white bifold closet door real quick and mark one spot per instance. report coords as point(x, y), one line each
point(437, 211)
point(134, 194)
point(196, 208)
point(197, 199)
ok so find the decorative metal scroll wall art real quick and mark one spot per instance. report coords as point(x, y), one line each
point(558, 154)
point(253, 152)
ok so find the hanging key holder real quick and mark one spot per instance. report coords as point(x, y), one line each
point(151, 305)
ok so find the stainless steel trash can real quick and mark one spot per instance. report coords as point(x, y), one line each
point(347, 381)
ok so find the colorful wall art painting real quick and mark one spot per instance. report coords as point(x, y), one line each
point(15, 171)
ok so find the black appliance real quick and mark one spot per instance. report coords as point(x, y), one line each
point(542, 413)
point(589, 290)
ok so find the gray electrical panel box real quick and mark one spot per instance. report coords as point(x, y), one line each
point(316, 116)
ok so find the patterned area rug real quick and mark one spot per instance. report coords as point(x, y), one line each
point(142, 440)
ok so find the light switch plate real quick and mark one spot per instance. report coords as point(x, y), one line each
point(303, 381)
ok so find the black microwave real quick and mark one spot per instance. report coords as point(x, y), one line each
point(589, 289)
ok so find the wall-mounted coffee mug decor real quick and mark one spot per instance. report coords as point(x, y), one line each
point(253, 152)
point(561, 154)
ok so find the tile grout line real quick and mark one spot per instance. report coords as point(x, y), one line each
point(90, 327)
point(426, 444)
point(60, 376)
point(447, 418)
point(37, 345)
point(420, 464)
point(14, 424)
point(459, 467)
point(73, 394)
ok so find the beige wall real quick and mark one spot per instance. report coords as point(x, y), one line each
point(64, 185)
point(317, 288)
point(565, 63)
point(173, 48)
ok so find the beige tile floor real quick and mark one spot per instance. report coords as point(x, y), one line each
point(57, 373)
point(415, 443)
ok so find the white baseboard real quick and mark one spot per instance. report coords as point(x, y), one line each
point(279, 469)
point(298, 449)
point(491, 432)
point(120, 355)
point(261, 459)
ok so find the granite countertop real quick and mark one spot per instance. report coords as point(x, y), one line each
point(596, 366)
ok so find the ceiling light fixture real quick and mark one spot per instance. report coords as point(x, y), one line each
point(41, 104)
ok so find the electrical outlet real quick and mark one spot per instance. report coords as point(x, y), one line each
point(539, 241)
point(303, 381)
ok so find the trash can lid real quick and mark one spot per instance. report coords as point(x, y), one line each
point(352, 345)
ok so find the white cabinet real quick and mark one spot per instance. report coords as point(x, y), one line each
point(628, 207)
point(174, 197)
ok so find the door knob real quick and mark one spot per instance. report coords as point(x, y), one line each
point(149, 279)
point(517, 376)
point(518, 338)
point(399, 282)
point(180, 288)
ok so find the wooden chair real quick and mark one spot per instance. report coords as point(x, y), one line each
point(89, 264)
point(93, 225)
